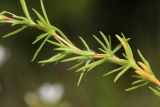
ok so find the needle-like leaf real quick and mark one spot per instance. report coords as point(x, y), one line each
point(156, 92)
point(54, 58)
point(118, 47)
point(40, 37)
point(101, 43)
point(106, 40)
point(82, 73)
point(138, 81)
point(74, 58)
point(121, 73)
point(145, 61)
point(25, 10)
point(56, 44)
point(126, 47)
point(85, 44)
point(43, 21)
point(91, 65)
point(80, 78)
point(113, 71)
point(15, 32)
point(76, 65)
point(40, 47)
point(136, 87)
point(44, 11)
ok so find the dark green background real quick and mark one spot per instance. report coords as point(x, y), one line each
point(138, 19)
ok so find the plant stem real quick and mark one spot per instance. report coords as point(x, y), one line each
point(138, 69)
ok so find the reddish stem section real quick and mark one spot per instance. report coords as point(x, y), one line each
point(8, 18)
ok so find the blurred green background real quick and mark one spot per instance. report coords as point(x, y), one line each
point(26, 84)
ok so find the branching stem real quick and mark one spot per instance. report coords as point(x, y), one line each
point(88, 58)
point(113, 58)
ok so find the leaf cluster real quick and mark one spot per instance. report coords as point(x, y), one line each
point(85, 59)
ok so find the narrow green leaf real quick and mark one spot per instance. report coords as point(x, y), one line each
point(141, 56)
point(156, 92)
point(105, 52)
point(94, 64)
point(87, 63)
point(102, 44)
point(3, 12)
point(89, 69)
point(25, 10)
point(125, 56)
point(54, 58)
point(138, 81)
point(74, 58)
point(113, 71)
point(121, 73)
point(85, 44)
point(158, 88)
point(17, 17)
point(84, 53)
point(15, 32)
point(56, 44)
point(126, 46)
point(65, 49)
point(118, 47)
point(17, 23)
point(44, 11)
point(43, 21)
point(136, 87)
point(145, 61)
point(80, 78)
point(73, 51)
point(82, 74)
point(40, 47)
point(40, 23)
point(106, 40)
point(40, 37)
point(136, 76)
point(76, 66)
